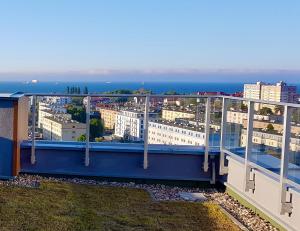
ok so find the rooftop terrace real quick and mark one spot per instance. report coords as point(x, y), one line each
point(268, 182)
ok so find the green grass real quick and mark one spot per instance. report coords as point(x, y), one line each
point(65, 206)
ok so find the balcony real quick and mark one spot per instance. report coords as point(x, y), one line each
point(250, 146)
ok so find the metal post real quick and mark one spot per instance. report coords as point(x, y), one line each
point(285, 207)
point(207, 131)
point(33, 121)
point(146, 124)
point(223, 169)
point(249, 184)
point(87, 141)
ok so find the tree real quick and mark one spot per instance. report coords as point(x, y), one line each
point(85, 91)
point(279, 109)
point(96, 128)
point(244, 107)
point(270, 127)
point(265, 111)
point(77, 114)
point(81, 138)
point(171, 92)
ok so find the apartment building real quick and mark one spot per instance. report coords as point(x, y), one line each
point(42, 113)
point(175, 133)
point(270, 139)
point(130, 124)
point(238, 117)
point(61, 129)
point(279, 92)
point(173, 114)
point(59, 100)
point(109, 116)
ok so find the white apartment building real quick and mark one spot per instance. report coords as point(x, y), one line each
point(61, 129)
point(42, 113)
point(60, 100)
point(173, 133)
point(130, 124)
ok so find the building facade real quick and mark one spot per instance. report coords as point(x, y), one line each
point(173, 114)
point(130, 124)
point(172, 133)
point(109, 117)
point(61, 129)
point(279, 92)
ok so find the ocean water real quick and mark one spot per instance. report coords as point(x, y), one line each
point(99, 87)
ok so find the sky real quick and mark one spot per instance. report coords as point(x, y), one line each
point(150, 40)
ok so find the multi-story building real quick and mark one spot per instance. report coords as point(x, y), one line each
point(50, 113)
point(109, 116)
point(61, 129)
point(279, 92)
point(238, 117)
point(130, 124)
point(253, 91)
point(61, 100)
point(175, 133)
point(173, 114)
point(273, 140)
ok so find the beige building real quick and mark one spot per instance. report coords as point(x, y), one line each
point(270, 139)
point(173, 114)
point(279, 92)
point(62, 129)
point(109, 117)
point(50, 113)
point(238, 117)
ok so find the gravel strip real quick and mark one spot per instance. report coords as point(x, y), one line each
point(161, 192)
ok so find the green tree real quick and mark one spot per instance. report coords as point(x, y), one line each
point(96, 128)
point(270, 127)
point(77, 114)
point(81, 138)
point(265, 111)
point(85, 91)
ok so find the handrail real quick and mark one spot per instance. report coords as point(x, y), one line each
point(225, 98)
point(166, 96)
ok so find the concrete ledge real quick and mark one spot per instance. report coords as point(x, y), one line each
point(265, 196)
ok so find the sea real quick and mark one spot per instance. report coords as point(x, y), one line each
point(100, 87)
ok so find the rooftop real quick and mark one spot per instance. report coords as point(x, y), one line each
point(56, 205)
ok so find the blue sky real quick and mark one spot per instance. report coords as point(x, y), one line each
point(141, 37)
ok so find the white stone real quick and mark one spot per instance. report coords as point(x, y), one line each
point(192, 196)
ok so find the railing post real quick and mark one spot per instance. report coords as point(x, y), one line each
point(223, 169)
point(249, 184)
point(207, 131)
point(285, 206)
point(146, 124)
point(33, 121)
point(87, 141)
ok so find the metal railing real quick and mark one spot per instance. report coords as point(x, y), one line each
point(249, 165)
